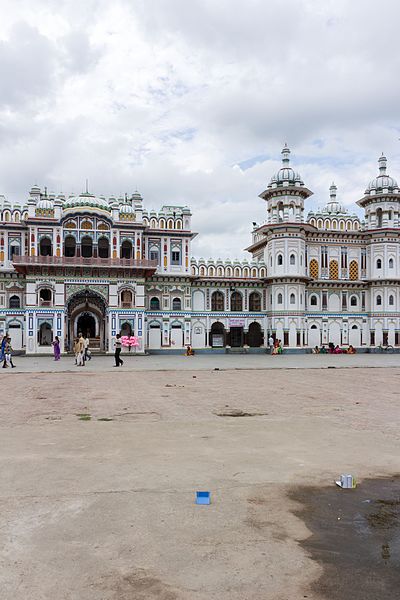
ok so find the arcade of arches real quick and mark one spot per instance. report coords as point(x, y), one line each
point(236, 337)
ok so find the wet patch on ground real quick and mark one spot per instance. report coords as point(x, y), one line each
point(355, 538)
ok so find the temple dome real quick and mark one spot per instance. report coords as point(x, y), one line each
point(285, 175)
point(87, 200)
point(45, 204)
point(383, 181)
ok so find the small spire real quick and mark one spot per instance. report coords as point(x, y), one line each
point(87, 186)
point(382, 164)
point(285, 155)
point(332, 191)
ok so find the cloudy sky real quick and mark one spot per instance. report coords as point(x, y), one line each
point(191, 102)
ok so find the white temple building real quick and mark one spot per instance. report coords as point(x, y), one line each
point(102, 266)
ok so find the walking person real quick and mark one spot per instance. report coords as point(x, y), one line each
point(81, 351)
point(271, 343)
point(88, 354)
point(56, 348)
point(8, 355)
point(3, 346)
point(118, 348)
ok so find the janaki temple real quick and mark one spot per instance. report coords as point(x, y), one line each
point(107, 265)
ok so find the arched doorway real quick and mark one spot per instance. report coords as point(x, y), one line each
point(255, 336)
point(86, 324)
point(217, 335)
point(86, 314)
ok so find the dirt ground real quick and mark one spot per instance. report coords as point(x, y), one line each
point(99, 473)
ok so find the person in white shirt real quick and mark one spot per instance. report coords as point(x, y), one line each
point(88, 355)
point(271, 343)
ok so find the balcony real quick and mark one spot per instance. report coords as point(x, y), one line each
point(24, 264)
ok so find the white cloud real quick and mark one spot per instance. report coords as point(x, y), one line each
point(170, 96)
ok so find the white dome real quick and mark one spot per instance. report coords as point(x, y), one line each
point(87, 200)
point(45, 204)
point(285, 175)
point(126, 209)
point(383, 181)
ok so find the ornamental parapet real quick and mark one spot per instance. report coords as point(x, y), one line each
point(228, 269)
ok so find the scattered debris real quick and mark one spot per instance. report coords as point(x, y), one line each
point(203, 497)
point(236, 412)
point(346, 482)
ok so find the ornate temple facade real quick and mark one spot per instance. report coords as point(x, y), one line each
point(103, 266)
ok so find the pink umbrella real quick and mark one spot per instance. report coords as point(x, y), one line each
point(130, 341)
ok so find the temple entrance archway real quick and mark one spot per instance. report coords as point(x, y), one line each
point(86, 323)
point(86, 314)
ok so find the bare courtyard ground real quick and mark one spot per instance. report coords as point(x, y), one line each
point(99, 472)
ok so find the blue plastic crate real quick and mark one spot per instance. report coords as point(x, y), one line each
point(203, 497)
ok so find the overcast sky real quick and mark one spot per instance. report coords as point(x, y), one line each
point(191, 101)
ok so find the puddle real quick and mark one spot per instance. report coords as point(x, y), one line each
point(355, 538)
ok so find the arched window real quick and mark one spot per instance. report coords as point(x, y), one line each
point(176, 304)
point(333, 269)
point(16, 217)
point(379, 217)
point(313, 300)
point(314, 269)
point(353, 301)
point(69, 246)
point(379, 264)
point(229, 271)
point(220, 272)
point(217, 301)
point(175, 255)
point(211, 272)
point(279, 260)
point(236, 302)
point(7, 216)
point(103, 247)
point(154, 253)
point(237, 272)
point(202, 271)
point(45, 248)
point(320, 224)
point(155, 303)
point(280, 212)
point(254, 302)
point(87, 247)
point(45, 334)
point(353, 270)
point(14, 250)
point(170, 224)
point(126, 298)
point(280, 299)
point(292, 299)
point(391, 300)
point(379, 300)
point(341, 225)
point(162, 224)
point(391, 263)
point(292, 259)
point(15, 302)
point(45, 297)
point(126, 249)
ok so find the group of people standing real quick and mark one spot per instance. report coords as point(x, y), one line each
point(6, 352)
point(81, 350)
point(275, 346)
